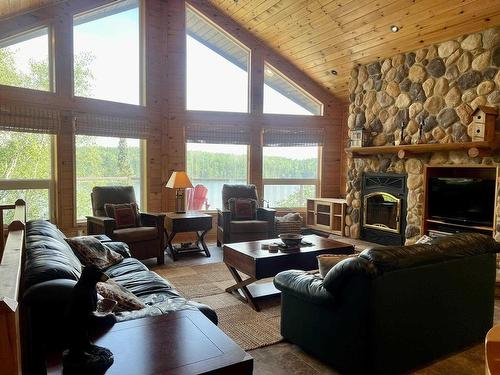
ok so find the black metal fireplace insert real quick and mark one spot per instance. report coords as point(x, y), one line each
point(383, 208)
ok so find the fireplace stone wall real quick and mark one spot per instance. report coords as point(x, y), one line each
point(440, 85)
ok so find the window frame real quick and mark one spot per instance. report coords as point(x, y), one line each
point(143, 177)
point(38, 183)
point(142, 51)
point(295, 85)
point(316, 182)
point(234, 40)
point(248, 152)
point(23, 36)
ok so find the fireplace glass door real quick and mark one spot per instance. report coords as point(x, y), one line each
point(382, 211)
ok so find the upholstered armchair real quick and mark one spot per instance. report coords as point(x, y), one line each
point(145, 240)
point(231, 229)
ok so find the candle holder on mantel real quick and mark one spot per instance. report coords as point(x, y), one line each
point(421, 138)
point(402, 135)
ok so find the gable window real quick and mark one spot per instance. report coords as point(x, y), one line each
point(215, 155)
point(106, 161)
point(282, 96)
point(25, 61)
point(106, 44)
point(216, 67)
point(291, 160)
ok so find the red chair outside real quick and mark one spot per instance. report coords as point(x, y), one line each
point(197, 197)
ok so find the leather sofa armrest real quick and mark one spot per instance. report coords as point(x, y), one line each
point(149, 219)
point(347, 269)
point(267, 214)
point(120, 247)
point(100, 225)
point(223, 218)
point(48, 292)
point(303, 285)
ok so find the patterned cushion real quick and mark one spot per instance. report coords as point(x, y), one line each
point(90, 250)
point(126, 215)
point(243, 208)
point(126, 300)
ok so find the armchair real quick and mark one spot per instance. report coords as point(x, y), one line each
point(145, 241)
point(230, 230)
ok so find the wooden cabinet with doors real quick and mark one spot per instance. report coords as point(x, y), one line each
point(326, 214)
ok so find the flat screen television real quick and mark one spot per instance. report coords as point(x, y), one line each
point(468, 201)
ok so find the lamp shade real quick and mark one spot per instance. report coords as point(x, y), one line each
point(179, 180)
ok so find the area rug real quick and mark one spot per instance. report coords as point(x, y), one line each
point(207, 283)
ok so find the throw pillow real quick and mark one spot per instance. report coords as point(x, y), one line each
point(126, 215)
point(90, 250)
point(425, 240)
point(327, 261)
point(243, 208)
point(125, 299)
point(291, 217)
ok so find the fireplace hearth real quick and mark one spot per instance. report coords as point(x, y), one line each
point(383, 210)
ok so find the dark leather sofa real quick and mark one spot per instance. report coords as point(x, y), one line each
point(51, 270)
point(393, 309)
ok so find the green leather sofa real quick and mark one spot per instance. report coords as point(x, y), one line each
point(393, 309)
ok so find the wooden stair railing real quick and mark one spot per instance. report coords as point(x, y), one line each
point(2, 229)
point(11, 259)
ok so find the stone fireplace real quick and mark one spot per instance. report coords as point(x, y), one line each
point(383, 214)
point(437, 87)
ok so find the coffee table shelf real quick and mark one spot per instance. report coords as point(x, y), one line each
point(248, 258)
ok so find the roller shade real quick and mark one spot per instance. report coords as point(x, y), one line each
point(110, 126)
point(16, 117)
point(290, 137)
point(218, 134)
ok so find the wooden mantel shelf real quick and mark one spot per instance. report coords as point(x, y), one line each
point(474, 149)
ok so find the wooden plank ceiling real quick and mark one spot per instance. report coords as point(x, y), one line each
point(320, 35)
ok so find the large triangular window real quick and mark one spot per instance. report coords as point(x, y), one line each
point(282, 96)
point(216, 67)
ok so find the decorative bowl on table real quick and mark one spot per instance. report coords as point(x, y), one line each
point(291, 239)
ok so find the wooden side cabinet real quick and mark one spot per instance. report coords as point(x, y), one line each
point(326, 214)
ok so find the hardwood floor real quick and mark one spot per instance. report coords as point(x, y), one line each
point(287, 359)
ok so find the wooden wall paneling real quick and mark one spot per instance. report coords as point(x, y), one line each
point(256, 86)
point(65, 178)
point(344, 139)
point(62, 47)
point(174, 94)
point(155, 82)
point(255, 174)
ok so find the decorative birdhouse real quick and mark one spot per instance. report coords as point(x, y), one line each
point(483, 124)
point(359, 138)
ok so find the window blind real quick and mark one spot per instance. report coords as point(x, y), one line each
point(17, 117)
point(290, 137)
point(218, 134)
point(110, 126)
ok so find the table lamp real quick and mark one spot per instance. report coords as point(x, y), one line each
point(179, 181)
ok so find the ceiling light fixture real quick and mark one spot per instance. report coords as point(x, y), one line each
point(334, 72)
point(394, 28)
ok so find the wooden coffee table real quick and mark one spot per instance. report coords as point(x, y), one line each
point(249, 259)
point(181, 342)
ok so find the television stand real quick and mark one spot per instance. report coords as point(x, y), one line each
point(447, 227)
